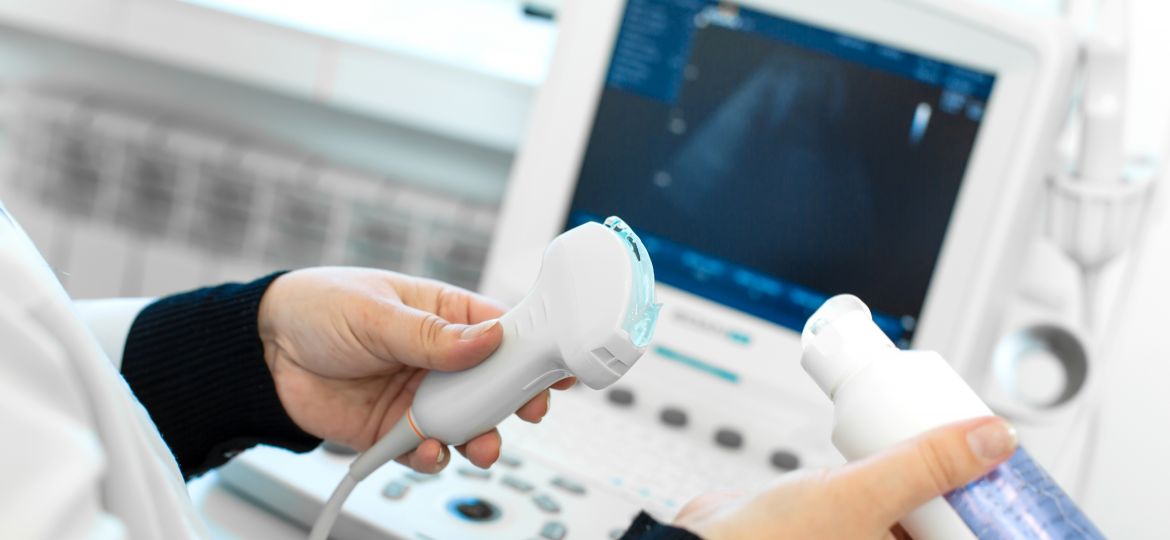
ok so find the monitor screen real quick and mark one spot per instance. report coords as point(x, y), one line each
point(769, 164)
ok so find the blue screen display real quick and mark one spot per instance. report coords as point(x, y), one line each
point(768, 164)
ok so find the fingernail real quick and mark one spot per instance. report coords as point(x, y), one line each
point(474, 331)
point(993, 441)
point(442, 456)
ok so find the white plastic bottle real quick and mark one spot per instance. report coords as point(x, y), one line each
point(883, 396)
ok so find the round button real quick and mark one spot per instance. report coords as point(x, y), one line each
point(473, 509)
point(785, 460)
point(728, 438)
point(673, 417)
point(621, 397)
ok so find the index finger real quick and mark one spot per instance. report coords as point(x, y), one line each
point(894, 483)
point(453, 303)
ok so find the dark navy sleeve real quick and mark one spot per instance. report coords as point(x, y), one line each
point(196, 363)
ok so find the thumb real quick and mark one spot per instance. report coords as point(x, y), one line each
point(422, 339)
point(896, 482)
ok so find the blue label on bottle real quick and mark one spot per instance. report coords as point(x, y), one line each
point(1019, 501)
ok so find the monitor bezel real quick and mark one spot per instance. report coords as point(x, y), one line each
point(995, 209)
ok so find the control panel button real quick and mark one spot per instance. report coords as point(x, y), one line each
point(509, 460)
point(673, 417)
point(474, 509)
point(785, 460)
point(419, 478)
point(546, 503)
point(621, 397)
point(338, 449)
point(729, 438)
point(553, 530)
point(474, 472)
point(517, 484)
point(571, 486)
point(395, 490)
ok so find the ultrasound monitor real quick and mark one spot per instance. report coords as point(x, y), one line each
point(772, 153)
point(770, 164)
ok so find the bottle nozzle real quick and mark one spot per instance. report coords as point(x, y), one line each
point(839, 339)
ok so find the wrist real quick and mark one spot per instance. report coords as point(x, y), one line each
point(268, 316)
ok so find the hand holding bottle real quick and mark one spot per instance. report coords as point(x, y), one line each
point(864, 499)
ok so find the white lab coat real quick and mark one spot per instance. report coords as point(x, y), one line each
point(79, 456)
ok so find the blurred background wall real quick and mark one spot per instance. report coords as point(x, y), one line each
point(150, 146)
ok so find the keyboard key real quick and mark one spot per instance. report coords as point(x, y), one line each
point(571, 486)
point(419, 478)
point(395, 490)
point(785, 460)
point(621, 397)
point(517, 484)
point(729, 438)
point(673, 417)
point(509, 460)
point(553, 530)
point(546, 503)
point(474, 472)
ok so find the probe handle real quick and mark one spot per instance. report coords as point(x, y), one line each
point(454, 407)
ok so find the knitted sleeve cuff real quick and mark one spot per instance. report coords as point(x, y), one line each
point(196, 363)
point(646, 528)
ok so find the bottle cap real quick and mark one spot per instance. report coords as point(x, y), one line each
point(838, 340)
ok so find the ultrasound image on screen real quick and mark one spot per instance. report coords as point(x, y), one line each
point(772, 168)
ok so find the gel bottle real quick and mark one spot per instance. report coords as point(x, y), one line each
point(883, 395)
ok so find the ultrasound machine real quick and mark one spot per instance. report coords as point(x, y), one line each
point(770, 154)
